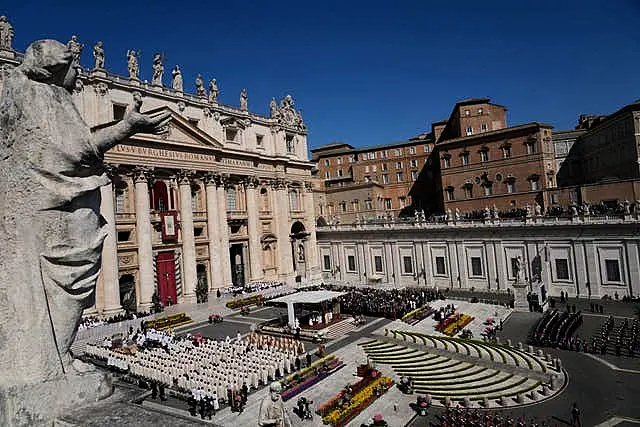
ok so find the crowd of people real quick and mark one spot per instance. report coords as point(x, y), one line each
point(459, 416)
point(261, 285)
point(623, 338)
point(557, 328)
point(389, 303)
point(89, 322)
point(205, 372)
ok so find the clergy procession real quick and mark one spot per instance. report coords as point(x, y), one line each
point(198, 368)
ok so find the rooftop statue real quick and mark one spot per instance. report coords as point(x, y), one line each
point(6, 33)
point(51, 171)
point(176, 79)
point(98, 55)
point(76, 49)
point(132, 64)
point(158, 69)
point(213, 91)
point(200, 90)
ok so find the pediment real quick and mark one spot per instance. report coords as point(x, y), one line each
point(182, 132)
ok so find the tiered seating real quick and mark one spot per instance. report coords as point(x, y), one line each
point(555, 328)
point(443, 377)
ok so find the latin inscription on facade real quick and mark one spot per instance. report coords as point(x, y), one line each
point(160, 153)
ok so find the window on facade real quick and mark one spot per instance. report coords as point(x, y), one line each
point(351, 263)
point(339, 161)
point(385, 178)
point(483, 127)
point(398, 165)
point(402, 200)
point(231, 199)
point(446, 162)
point(340, 172)
point(120, 202)
point(355, 205)
point(531, 147)
point(399, 152)
point(476, 266)
point(613, 270)
point(535, 184)
point(480, 110)
point(385, 167)
point(554, 198)
point(326, 162)
point(413, 163)
point(414, 175)
point(550, 181)
point(484, 155)
point(327, 174)
point(412, 150)
point(259, 139)
point(467, 112)
point(352, 158)
point(468, 191)
point(368, 204)
point(400, 176)
point(343, 207)
point(289, 140)
point(440, 267)
point(562, 269)
point(124, 236)
point(427, 148)
point(119, 111)
point(488, 189)
point(387, 203)
point(469, 130)
point(194, 202)
point(326, 263)
point(511, 187)
point(407, 263)
point(465, 158)
point(231, 134)
point(506, 151)
point(377, 261)
point(384, 154)
point(294, 201)
point(450, 195)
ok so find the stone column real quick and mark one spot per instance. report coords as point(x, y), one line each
point(189, 275)
point(281, 212)
point(313, 267)
point(144, 232)
point(213, 231)
point(225, 262)
point(255, 249)
point(110, 284)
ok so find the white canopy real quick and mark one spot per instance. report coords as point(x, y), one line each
point(309, 297)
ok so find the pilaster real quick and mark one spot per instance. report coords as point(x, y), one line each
point(190, 277)
point(144, 232)
point(255, 248)
point(225, 261)
point(213, 231)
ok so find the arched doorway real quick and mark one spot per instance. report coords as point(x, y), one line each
point(128, 293)
point(202, 288)
point(299, 249)
point(160, 197)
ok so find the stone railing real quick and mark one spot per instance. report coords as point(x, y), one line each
point(411, 223)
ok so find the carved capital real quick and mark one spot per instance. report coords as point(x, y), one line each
point(112, 170)
point(184, 177)
point(279, 184)
point(101, 89)
point(308, 186)
point(252, 181)
point(142, 174)
point(211, 178)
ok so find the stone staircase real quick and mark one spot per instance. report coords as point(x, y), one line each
point(340, 329)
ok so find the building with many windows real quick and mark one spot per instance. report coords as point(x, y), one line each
point(225, 198)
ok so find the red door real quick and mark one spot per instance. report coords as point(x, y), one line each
point(166, 268)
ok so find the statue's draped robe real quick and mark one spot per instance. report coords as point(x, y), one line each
point(51, 230)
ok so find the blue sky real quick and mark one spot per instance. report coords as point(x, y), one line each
point(369, 72)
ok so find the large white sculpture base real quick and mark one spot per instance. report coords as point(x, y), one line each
point(520, 302)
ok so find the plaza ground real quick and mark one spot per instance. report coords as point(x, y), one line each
point(606, 388)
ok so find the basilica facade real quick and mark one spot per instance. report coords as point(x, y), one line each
point(224, 198)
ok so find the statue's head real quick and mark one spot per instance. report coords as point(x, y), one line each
point(274, 390)
point(49, 61)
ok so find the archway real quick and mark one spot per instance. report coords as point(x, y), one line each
point(321, 222)
point(127, 285)
point(202, 288)
point(299, 249)
point(160, 197)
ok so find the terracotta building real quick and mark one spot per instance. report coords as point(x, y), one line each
point(370, 182)
point(486, 164)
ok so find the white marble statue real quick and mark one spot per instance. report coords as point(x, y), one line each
point(51, 171)
point(200, 89)
point(132, 64)
point(244, 100)
point(273, 108)
point(6, 33)
point(98, 55)
point(458, 216)
point(176, 79)
point(517, 269)
point(76, 49)
point(272, 410)
point(213, 91)
point(538, 209)
point(158, 69)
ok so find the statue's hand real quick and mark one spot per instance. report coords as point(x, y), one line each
point(155, 123)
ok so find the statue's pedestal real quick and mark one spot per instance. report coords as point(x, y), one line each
point(520, 302)
point(6, 53)
point(40, 404)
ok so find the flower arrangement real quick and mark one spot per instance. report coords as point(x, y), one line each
point(237, 303)
point(167, 322)
point(453, 324)
point(297, 383)
point(417, 315)
point(340, 416)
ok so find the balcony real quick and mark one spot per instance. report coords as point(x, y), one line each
point(231, 215)
point(125, 217)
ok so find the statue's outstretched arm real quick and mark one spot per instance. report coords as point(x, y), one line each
point(133, 122)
